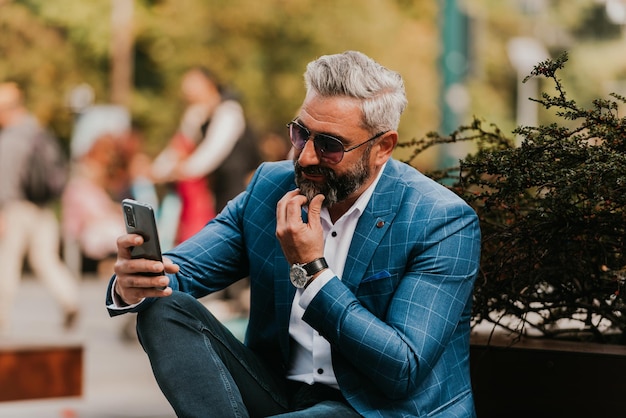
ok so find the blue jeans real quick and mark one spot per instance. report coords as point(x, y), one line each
point(204, 371)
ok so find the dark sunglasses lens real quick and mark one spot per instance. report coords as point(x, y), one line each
point(298, 135)
point(330, 148)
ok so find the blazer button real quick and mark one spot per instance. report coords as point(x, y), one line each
point(320, 371)
point(380, 224)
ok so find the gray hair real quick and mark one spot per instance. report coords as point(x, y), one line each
point(354, 74)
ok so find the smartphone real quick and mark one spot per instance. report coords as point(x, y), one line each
point(139, 219)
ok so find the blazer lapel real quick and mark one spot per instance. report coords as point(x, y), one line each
point(372, 226)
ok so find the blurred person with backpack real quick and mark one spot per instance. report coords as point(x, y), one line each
point(33, 172)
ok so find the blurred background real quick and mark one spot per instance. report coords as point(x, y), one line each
point(459, 58)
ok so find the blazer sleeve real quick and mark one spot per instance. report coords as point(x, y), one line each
point(217, 256)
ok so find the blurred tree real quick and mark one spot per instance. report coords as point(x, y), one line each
point(596, 61)
point(122, 47)
point(258, 48)
point(38, 56)
point(261, 49)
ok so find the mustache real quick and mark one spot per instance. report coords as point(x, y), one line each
point(315, 170)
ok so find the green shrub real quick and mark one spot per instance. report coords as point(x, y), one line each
point(552, 217)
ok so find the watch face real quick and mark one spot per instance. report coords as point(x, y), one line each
point(298, 276)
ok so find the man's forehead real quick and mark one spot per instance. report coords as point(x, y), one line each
point(331, 111)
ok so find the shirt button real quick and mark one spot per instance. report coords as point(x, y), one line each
point(334, 233)
point(320, 371)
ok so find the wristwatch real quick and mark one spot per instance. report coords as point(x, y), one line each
point(301, 274)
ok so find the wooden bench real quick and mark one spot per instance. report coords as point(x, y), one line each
point(37, 370)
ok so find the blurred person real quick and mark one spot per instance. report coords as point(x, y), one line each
point(95, 122)
point(107, 165)
point(211, 155)
point(361, 269)
point(209, 160)
point(91, 217)
point(27, 229)
point(137, 170)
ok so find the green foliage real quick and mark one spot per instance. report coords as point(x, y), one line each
point(552, 217)
point(259, 48)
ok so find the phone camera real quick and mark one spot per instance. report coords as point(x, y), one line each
point(130, 216)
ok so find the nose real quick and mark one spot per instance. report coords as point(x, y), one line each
point(308, 155)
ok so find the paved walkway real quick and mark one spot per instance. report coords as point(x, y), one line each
point(117, 380)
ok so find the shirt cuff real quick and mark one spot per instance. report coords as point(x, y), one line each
point(314, 287)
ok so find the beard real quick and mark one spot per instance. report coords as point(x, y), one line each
point(336, 188)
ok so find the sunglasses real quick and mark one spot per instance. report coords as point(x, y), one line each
point(328, 148)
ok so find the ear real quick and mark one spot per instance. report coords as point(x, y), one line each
point(385, 146)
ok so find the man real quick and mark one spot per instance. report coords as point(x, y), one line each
point(361, 273)
point(25, 227)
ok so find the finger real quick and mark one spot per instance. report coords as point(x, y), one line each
point(143, 266)
point(293, 210)
point(169, 266)
point(126, 242)
point(141, 281)
point(132, 288)
point(135, 295)
point(281, 211)
point(315, 209)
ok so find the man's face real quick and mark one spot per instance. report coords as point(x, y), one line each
point(341, 118)
point(336, 187)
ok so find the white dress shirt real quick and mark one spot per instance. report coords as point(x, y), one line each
point(310, 354)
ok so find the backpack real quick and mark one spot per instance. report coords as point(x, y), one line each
point(47, 170)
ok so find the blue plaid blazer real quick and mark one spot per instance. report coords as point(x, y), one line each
point(397, 322)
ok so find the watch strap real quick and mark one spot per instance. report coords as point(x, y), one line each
point(315, 266)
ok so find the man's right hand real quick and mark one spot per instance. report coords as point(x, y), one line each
point(133, 280)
